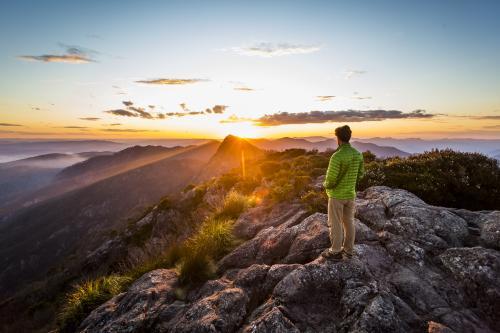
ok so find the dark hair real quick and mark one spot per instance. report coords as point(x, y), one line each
point(343, 133)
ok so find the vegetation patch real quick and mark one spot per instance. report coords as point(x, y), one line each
point(88, 295)
point(233, 205)
point(441, 177)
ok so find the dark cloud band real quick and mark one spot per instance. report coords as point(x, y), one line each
point(284, 118)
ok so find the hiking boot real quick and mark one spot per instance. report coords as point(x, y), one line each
point(347, 255)
point(328, 254)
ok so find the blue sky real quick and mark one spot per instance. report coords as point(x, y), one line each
point(256, 58)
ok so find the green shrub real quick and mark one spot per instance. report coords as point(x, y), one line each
point(281, 191)
point(228, 180)
point(270, 168)
point(441, 177)
point(88, 295)
point(214, 238)
point(141, 235)
point(195, 268)
point(315, 201)
point(369, 157)
point(300, 183)
point(165, 259)
point(233, 205)
point(165, 203)
point(247, 186)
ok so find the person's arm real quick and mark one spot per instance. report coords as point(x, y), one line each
point(361, 170)
point(332, 173)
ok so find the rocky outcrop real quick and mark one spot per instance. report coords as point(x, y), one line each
point(416, 268)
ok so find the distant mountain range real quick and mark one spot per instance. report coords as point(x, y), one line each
point(9, 149)
point(30, 174)
point(322, 145)
point(419, 145)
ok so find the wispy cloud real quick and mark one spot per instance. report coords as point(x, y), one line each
point(122, 112)
point(488, 117)
point(73, 55)
point(235, 119)
point(127, 130)
point(351, 73)
point(284, 118)
point(139, 112)
point(325, 98)
point(10, 125)
point(171, 81)
point(362, 97)
point(90, 118)
point(244, 89)
point(492, 127)
point(75, 127)
point(268, 50)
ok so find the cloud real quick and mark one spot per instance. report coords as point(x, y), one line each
point(90, 118)
point(73, 55)
point(268, 50)
point(324, 98)
point(75, 127)
point(67, 58)
point(115, 124)
point(129, 130)
point(122, 112)
point(284, 118)
point(489, 117)
point(235, 119)
point(219, 108)
point(350, 74)
point(362, 97)
point(10, 125)
point(244, 89)
point(171, 81)
point(492, 127)
point(141, 112)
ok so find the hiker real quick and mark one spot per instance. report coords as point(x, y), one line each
point(343, 173)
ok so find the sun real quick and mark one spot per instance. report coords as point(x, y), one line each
point(243, 130)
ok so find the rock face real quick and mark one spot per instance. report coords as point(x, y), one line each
point(416, 268)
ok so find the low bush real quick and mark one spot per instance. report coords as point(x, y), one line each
point(315, 201)
point(441, 177)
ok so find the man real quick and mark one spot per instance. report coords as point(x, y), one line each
point(344, 171)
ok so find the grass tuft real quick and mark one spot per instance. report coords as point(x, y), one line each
point(233, 205)
point(88, 295)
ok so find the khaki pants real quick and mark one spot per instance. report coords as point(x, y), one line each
point(341, 223)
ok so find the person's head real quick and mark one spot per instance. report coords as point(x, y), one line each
point(343, 134)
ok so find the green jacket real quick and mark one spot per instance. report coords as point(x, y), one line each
point(345, 169)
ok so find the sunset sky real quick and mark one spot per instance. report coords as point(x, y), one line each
point(204, 69)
